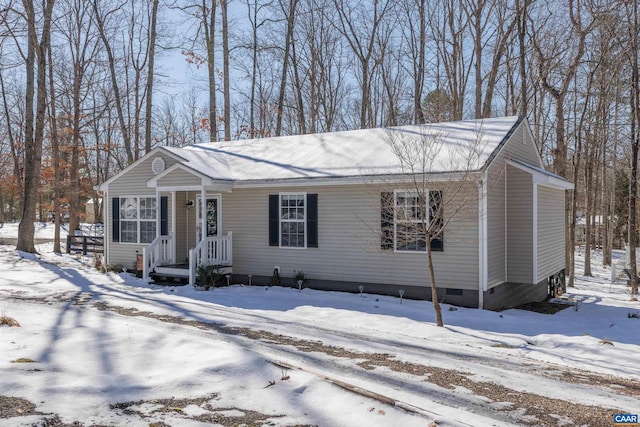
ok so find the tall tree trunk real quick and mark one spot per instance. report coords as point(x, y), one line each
point(588, 171)
point(210, 34)
point(434, 290)
point(124, 128)
point(33, 144)
point(419, 72)
point(55, 147)
point(18, 169)
point(150, 74)
point(26, 231)
point(285, 64)
point(521, 18)
point(635, 143)
point(225, 73)
point(253, 18)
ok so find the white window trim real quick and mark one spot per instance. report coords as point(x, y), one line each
point(138, 220)
point(395, 219)
point(280, 220)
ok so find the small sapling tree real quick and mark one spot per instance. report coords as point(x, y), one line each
point(436, 185)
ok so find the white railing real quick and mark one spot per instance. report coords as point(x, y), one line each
point(158, 252)
point(213, 250)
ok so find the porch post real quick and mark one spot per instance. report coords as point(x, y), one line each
point(203, 214)
point(173, 226)
point(158, 214)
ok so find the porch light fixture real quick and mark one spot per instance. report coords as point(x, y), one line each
point(189, 204)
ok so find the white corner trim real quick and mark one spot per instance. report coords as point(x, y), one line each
point(108, 224)
point(482, 242)
point(535, 233)
point(485, 233)
point(506, 224)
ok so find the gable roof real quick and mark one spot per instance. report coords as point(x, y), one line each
point(349, 153)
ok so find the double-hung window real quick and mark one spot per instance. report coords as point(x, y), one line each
point(293, 220)
point(407, 217)
point(410, 210)
point(138, 219)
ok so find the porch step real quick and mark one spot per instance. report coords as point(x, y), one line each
point(169, 279)
point(178, 273)
point(174, 270)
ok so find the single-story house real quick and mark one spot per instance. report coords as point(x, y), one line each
point(319, 203)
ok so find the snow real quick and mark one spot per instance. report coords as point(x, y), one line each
point(347, 154)
point(87, 359)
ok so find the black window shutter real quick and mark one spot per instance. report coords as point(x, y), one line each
point(436, 220)
point(164, 216)
point(386, 220)
point(312, 220)
point(115, 219)
point(274, 220)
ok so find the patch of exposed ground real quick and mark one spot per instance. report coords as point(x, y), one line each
point(544, 307)
point(150, 410)
point(15, 407)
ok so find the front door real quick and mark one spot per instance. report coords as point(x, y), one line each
point(212, 217)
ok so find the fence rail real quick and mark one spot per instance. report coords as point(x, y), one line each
point(85, 244)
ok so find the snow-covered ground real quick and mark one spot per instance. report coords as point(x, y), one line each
point(110, 349)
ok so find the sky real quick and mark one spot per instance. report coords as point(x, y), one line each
point(111, 349)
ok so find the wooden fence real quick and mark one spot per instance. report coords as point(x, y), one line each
point(85, 244)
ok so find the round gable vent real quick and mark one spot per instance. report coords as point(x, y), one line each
point(158, 165)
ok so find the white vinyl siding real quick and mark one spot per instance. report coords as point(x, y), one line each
point(133, 181)
point(520, 226)
point(519, 146)
point(179, 178)
point(551, 229)
point(496, 227)
point(349, 241)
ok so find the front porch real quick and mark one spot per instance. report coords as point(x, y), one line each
point(189, 225)
point(158, 259)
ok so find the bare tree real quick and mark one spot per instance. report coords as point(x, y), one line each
point(416, 214)
point(150, 75)
point(558, 61)
point(38, 33)
point(449, 24)
point(366, 32)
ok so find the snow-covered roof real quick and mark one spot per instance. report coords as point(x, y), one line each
point(454, 146)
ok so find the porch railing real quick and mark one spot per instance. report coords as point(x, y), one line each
point(212, 250)
point(157, 253)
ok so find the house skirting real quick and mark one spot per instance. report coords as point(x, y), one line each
point(459, 297)
point(506, 295)
point(509, 295)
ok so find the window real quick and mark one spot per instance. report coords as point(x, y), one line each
point(410, 213)
point(292, 220)
point(138, 219)
point(403, 216)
